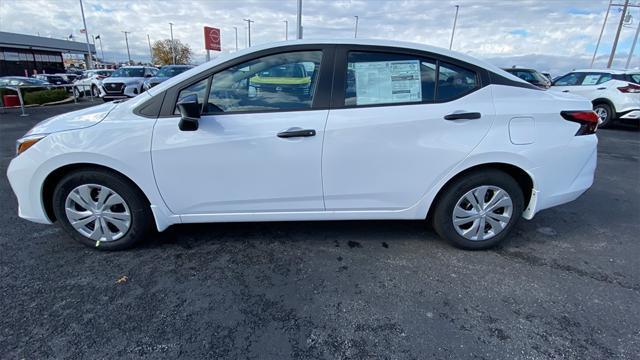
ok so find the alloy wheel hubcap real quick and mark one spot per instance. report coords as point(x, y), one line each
point(602, 113)
point(97, 212)
point(482, 213)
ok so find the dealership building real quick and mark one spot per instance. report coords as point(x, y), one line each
point(24, 55)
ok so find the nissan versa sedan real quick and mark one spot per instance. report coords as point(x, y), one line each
point(389, 130)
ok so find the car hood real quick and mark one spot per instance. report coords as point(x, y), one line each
point(125, 80)
point(73, 120)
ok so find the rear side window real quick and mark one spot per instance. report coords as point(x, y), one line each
point(454, 81)
point(595, 78)
point(634, 78)
point(383, 78)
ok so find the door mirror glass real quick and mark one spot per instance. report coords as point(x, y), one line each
point(189, 112)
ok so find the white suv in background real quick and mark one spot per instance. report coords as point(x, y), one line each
point(615, 94)
point(91, 80)
point(126, 82)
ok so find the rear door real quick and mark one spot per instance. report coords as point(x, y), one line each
point(388, 140)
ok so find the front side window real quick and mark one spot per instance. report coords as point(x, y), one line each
point(454, 81)
point(569, 80)
point(383, 78)
point(276, 82)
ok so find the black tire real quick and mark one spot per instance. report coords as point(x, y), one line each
point(95, 92)
point(106, 100)
point(141, 217)
point(608, 119)
point(447, 200)
point(77, 92)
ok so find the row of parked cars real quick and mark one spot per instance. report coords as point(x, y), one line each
point(615, 94)
point(125, 82)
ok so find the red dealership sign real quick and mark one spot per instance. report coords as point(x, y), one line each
point(212, 38)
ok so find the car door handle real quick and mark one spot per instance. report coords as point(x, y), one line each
point(297, 133)
point(565, 90)
point(601, 88)
point(463, 116)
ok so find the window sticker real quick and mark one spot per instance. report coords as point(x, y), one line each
point(388, 82)
point(591, 79)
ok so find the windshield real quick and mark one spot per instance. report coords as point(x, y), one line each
point(171, 71)
point(529, 75)
point(128, 72)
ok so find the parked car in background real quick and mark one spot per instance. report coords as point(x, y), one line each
point(615, 94)
point(51, 79)
point(22, 81)
point(165, 72)
point(126, 82)
point(444, 136)
point(547, 75)
point(531, 76)
point(69, 78)
point(289, 78)
point(91, 81)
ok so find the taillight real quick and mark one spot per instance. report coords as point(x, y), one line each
point(587, 119)
point(630, 89)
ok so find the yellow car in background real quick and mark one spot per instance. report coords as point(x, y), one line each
point(291, 79)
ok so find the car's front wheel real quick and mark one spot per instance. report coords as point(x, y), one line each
point(101, 209)
point(77, 93)
point(94, 91)
point(605, 114)
point(479, 210)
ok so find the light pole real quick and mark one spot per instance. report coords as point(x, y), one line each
point(299, 20)
point(99, 37)
point(453, 31)
point(355, 35)
point(249, 21)
point(150, 51)
point(236, 29)
point(615, 40)
point(286, 29)
point(633, 46)
point(601, 31)
point(173, 53)
point(126, 40)
point(86, 34)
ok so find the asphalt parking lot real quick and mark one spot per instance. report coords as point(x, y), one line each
point(565, 286)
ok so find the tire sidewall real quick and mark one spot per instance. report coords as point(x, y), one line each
point(140, 212)
point(442, 220)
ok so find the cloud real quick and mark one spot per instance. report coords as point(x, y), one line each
point(563, 33)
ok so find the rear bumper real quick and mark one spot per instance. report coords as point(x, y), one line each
point(630, 115)
point(566, 178)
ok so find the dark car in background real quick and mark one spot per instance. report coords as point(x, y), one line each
point(51, 79)
point(531, 76)
point(165, 72)
point(22, 81)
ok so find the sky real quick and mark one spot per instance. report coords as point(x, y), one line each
point(550, 35)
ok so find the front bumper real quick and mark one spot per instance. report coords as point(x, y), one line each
point(22, 176)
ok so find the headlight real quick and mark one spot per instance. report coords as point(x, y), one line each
point(26, 142)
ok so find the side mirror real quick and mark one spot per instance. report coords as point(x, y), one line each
point(189, 112)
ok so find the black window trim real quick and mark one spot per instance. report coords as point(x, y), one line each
point(340, 73)
point(321, 98)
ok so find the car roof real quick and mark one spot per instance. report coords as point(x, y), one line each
point(519, 68)
point(609, 71)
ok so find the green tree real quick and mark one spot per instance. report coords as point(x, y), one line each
point(162, 52)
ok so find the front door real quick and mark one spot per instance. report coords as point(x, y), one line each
point(402, 124)
point(258, 147)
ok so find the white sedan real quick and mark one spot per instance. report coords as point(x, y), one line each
point(313, 130)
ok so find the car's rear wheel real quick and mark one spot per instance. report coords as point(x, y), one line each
point(101, 209)
point(479, 210)
point(605, 114)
